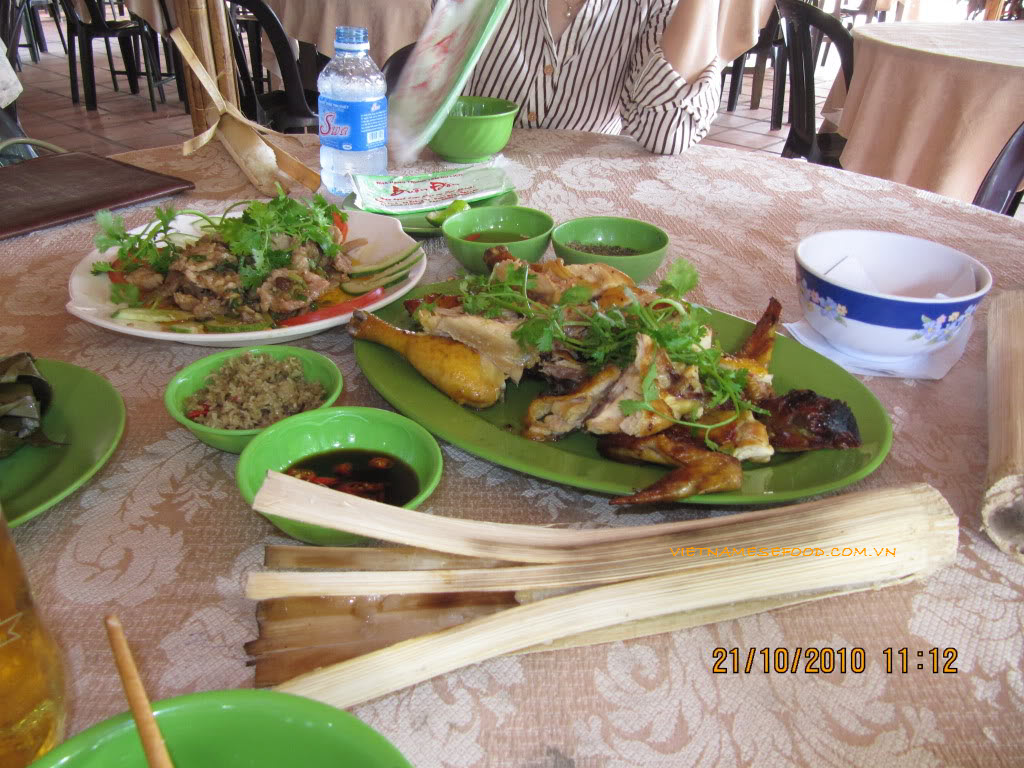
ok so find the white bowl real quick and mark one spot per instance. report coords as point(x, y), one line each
point(882, 296)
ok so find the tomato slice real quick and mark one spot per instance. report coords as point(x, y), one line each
point(116, 275)
point(334, 310)
point(342, 225)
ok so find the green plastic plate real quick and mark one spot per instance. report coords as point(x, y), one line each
point(87, 414)
point(492, 433)
point(417, 224)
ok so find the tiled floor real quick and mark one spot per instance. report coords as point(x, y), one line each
point(124, 121)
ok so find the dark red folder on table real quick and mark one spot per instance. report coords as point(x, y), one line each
point(56, 189)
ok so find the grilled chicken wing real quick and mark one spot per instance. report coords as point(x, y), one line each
point(699, 470)
point(803, 420)
point(462, 373)
point(761, 342)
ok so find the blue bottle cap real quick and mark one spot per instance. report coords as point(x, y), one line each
point(351, 39)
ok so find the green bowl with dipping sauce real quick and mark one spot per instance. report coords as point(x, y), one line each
point(192, 378)
point(609, 236)
point(476, 128)
point(524, 231)
point(234, 729)
point(299, 437)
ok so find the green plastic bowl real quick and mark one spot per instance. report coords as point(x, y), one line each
point(649, 240)
point(535, 225)
point(191, 379)
point(307, 434)
point(476, 128)
point(234, 729)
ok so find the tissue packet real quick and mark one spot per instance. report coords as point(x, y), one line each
point(429, 191)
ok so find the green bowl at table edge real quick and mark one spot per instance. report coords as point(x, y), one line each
point(472, 138)
point(651, 241)
point(191, 379)
point(281, 445)
point(232, 729)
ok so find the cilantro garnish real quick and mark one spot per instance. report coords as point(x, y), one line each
point(608, 336)
point(251, 236)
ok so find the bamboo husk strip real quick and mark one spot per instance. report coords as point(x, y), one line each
point(201, 108)
point(713, 583)
point(199, 19)
point(269, 611)
point(223, 55)
point(1002, 509)
point(295, 499)
point(368, 558)
point(851, 525)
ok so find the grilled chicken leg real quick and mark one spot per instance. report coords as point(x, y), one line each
point(699, 469)
point(462, 373)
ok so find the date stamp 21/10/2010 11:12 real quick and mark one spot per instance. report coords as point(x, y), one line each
point(826, 660)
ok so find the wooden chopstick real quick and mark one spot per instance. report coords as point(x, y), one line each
point(149, 733)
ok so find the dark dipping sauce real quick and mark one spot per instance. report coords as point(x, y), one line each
point(603, 250)
point(495, 236)
point(369, 474)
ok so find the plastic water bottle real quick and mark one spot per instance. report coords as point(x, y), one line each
point(353, 112)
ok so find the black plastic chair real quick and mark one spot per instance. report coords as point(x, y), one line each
point(288, 110)
point(799, 19)
point(998, 191)
point(128, 34)
point(394, 65)
point(769, 47)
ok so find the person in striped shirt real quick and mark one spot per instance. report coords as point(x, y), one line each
point(607, 66)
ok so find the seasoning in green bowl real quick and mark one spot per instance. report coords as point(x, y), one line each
point(630, 245)
point(525, 232)
point(227, 398)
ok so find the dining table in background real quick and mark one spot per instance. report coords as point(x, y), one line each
point(931, 104)
point(161, 535)
point(391, 25)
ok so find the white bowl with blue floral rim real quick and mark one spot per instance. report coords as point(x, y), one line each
point(883, 296)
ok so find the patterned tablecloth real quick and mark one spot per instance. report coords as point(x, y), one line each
point(162, 536)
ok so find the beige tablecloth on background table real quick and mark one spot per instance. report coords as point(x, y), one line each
point(931, 104)
point(391, 24)
point(162, 536)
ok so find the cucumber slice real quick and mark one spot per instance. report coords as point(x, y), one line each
point(359, 287)
point(142, 315)
point(229, 325)
point(192, 327)
point(394, 274)
point(365, 270)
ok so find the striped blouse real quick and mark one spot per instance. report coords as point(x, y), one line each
point(606, 74)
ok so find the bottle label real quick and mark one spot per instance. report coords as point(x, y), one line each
point(353, 126)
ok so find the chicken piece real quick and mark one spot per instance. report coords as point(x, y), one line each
point(462, 373)
point(145, 278)
point(761, 342)
point(608, 416)
point(491, 337)
point(288, 290)
point(699, 470)
point(563, 370)
point(802, 420)
point(744, 437)
point(759, 380)
point(601, 277)
point(550, 417)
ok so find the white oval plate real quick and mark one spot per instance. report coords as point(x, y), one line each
point(90, 294)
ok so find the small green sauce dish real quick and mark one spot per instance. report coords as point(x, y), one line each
point(476, 128)
point(234, 729)
point(192, 378)
point(289, 441)
point(650, 243)
point(530, 228)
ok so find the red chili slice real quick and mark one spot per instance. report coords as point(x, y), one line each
point(334, 310)
point(342, 225)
